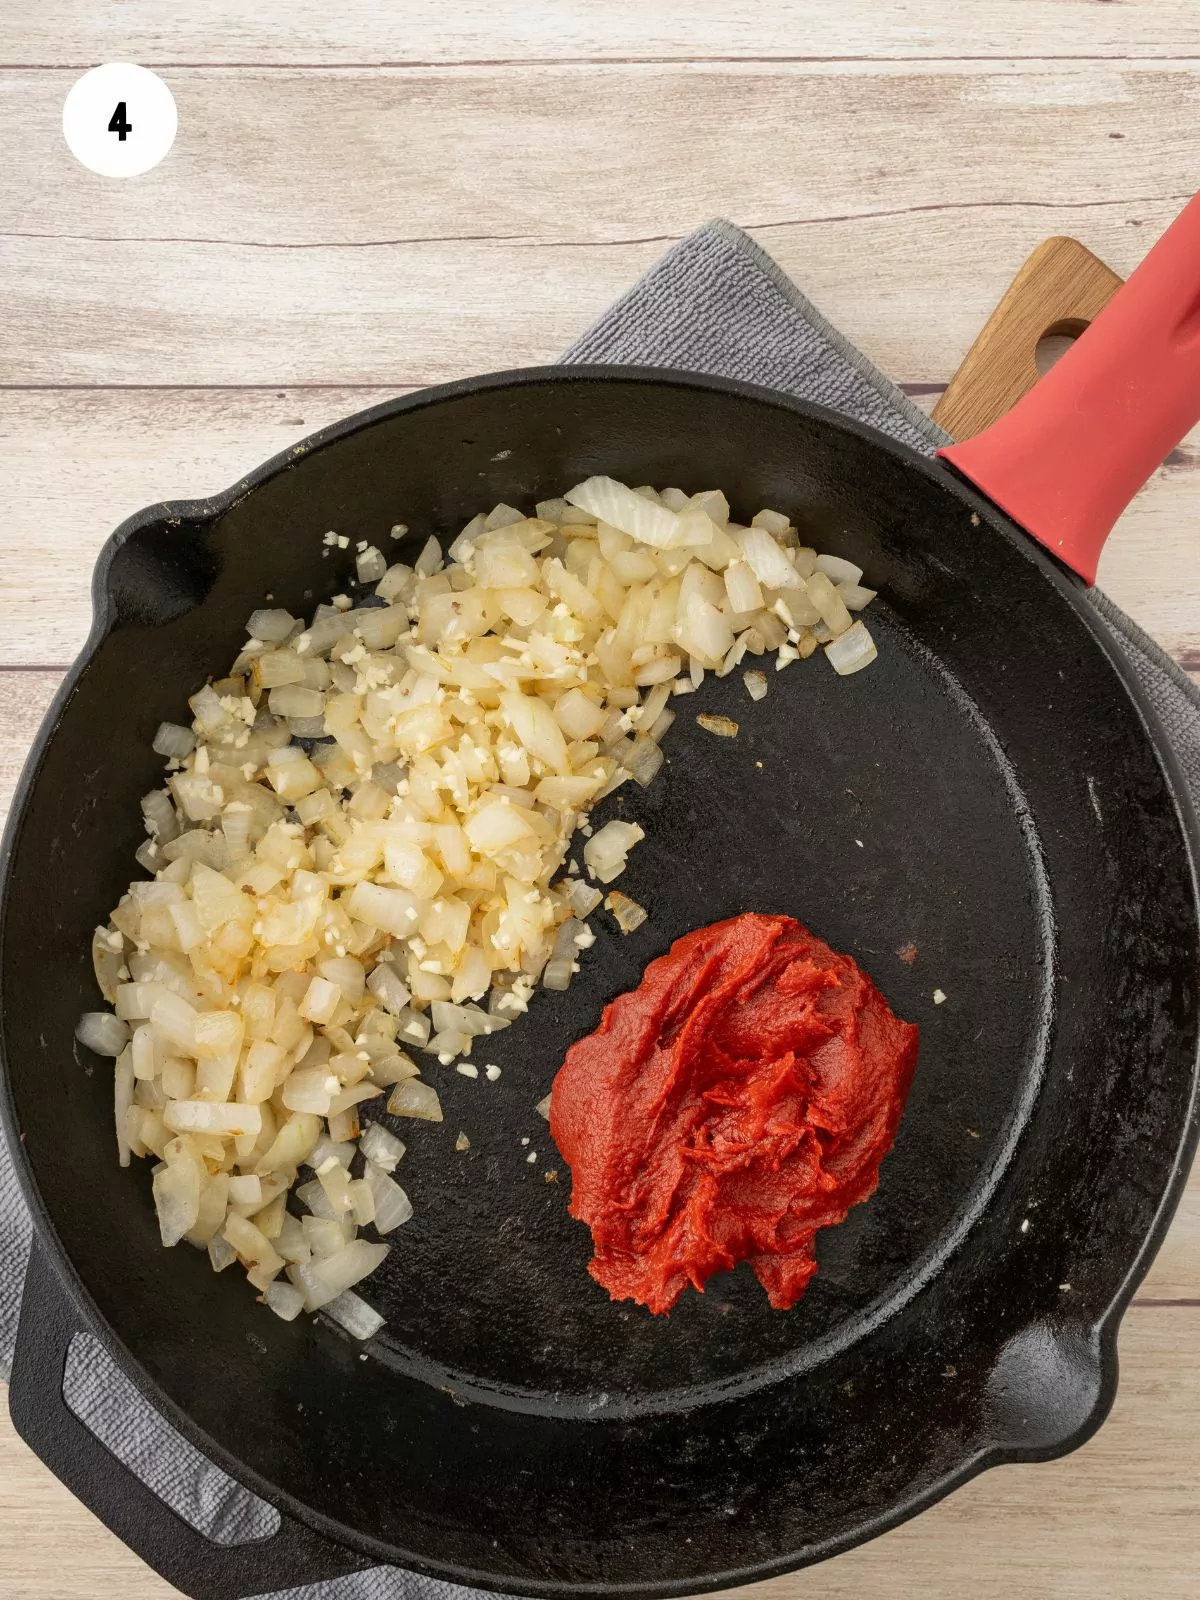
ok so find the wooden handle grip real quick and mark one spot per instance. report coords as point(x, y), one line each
point(1061, 289)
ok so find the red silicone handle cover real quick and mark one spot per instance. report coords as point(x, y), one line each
point(1070, 455)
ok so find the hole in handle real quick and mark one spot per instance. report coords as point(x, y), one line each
point(1056, 341)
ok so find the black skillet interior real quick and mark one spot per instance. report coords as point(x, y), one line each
point(987, 795)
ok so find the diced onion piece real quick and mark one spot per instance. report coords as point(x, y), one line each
point(413, 1098)
point(742, 587)
point(756, 684)
point(271, 626)
point(102, 1033)
point(395, 1067)
point(582, 897)
point(370, 565)
point(173, 741)
point(381, 1148)
point(629, 915)
point(852, 650)
point(353, 1095)
point(325, 1148)
point(158, 809)
point(359, 1319)
point(335, 1180)
point(311, 1089)
point(314, 1197)
point(767, 561)
point(176, 1191)
point(829, 603)
point(838, 570)
point(246, 1191)
point(124, 1083)
point(221, 1253)
point(773, 521)
point(209, 1116)
point(392, 1206)
point(723, 727)
point(543, 1107)
point(323, 1281)
point(854, 596)
point(606, 852)
point(644, 760)
point(395, 911)
point(320, 1001)
point(295, 701)
point(469, 1020)
point(292, 1145)
point(624, 509)
point(285, 1300)
point(385, 985)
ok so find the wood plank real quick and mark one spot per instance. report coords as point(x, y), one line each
point(60, 32)
point(259, 249)
point(78, 462)
point(1116, 1519)
point(24, 700)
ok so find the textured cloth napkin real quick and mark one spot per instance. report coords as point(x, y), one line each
point(715, 303)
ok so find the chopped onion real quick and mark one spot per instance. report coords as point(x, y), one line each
point(270, 626)
point(629, 915)
point(103, 1033)
point(284, 1300)
point(644, 760)
point(413, 1098)
point(159, 811)
point(839, 571)
point(773, 521)
point(354, 1315)
point(543, 1107)
point(756, 684)
point(387, 988)
point(173, 741)
point(854, 596)
point(177, 1200)
point(392, 1206)
point(208, 1116)
point(628, 511)
point(607, 851)
point(294, 701)
point(582, 897)
point(766, 560)
point(323, 1281)
point(370, 565)
point(829, 603)
point(381, 1148)
point(852, 650)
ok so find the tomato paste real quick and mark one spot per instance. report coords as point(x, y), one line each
point(740, 1098)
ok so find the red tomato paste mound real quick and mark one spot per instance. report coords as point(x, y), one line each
point(740, 1098)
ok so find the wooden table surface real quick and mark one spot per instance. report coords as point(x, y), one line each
point(365, 198)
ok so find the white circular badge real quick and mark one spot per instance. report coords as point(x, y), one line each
point(119, 120)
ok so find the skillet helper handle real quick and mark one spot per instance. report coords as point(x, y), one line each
point(292, 1557)
point(1072, 453)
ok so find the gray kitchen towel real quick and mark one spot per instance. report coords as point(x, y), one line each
point(715, 303)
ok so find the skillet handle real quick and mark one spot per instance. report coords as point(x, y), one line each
point(295, 1555)
point(1072, 453)
point(1061, 289)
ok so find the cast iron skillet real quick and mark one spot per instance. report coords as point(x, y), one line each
point(993, 791)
